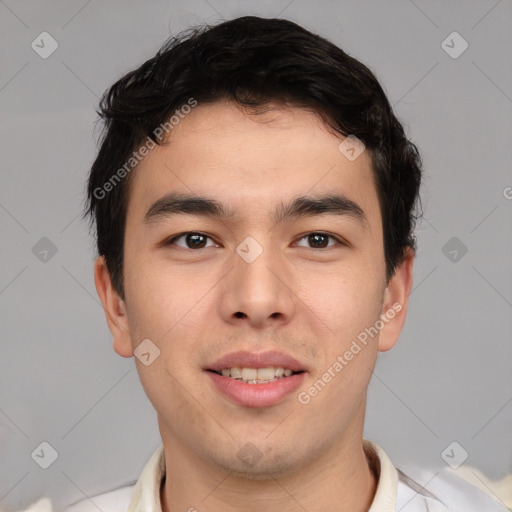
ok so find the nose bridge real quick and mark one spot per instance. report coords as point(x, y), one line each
point(257, 269)
point(257, 288)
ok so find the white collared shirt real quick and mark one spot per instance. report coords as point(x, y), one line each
point(396, 492)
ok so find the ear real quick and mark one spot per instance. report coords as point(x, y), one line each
point(396, 300)
point(114, 307)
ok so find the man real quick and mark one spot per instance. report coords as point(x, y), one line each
point(254, 199)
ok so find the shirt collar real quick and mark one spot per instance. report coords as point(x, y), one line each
point(387, 478)
point(146, 494)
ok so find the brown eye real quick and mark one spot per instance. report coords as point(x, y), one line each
point(193, 240)
point(319, 240)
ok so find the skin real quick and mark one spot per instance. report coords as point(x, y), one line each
point(306, 301)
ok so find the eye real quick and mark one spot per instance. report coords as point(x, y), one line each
point(193, 240)
point(320, 240)
point(197, 240)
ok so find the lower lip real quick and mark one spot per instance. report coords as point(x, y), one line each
point(257, 395)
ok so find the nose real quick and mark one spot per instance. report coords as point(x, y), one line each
point(259, 293)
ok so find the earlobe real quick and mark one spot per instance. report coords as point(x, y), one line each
point(396, 300)
point(114, 308)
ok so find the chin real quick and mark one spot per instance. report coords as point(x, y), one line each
point(279, 466)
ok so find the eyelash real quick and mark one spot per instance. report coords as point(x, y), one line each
point(172, 240)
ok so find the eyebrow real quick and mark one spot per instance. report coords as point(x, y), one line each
point(302, 206)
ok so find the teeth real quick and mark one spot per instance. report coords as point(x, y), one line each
point(249, 373)
point(266, 373)
point(256, 375)
point(236, 373)
point(279, 372)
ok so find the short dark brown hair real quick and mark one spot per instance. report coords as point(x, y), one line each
point(252, 61)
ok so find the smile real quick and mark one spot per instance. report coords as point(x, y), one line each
point(256, 375)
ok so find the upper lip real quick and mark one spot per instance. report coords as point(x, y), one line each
point(246, 359)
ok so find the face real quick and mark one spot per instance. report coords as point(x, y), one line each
point(255, 280)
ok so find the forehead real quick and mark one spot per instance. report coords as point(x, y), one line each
point(252, 162)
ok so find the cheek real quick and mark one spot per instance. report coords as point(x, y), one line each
point(169, 305)
point(170, 394)
point(158, 294)
point(344, 300)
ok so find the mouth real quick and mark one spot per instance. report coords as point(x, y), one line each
point(256, 379)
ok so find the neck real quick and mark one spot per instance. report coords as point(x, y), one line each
point(340, 479)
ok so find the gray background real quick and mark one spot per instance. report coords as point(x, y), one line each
point(449, 377)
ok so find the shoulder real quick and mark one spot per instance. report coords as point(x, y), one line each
point(442, 491)
point(113, 501)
